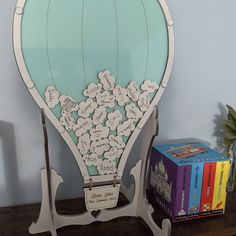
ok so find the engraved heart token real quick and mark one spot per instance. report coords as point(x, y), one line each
point(52, 96)
point(107, 80)
point(82, 126)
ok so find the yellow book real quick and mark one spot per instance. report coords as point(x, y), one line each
point(219, 194)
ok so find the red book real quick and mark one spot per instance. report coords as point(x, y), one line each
point(207, 188)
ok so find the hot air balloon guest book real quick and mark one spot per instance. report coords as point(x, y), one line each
point(188, 180)
point(98, 69)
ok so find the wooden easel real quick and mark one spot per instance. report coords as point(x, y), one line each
point(50, 220)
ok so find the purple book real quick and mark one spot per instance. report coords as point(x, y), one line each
point(182, 192)
point(162, 176)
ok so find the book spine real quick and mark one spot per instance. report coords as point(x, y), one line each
point(195, 189)
point(207, 188)
point(219, 196)
point(162, 177)
point(182, 192)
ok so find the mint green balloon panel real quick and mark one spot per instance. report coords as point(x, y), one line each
point(66, 43)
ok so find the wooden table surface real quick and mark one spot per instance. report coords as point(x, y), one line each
point(14, 221)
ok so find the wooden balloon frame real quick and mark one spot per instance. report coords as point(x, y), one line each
point(49, 219)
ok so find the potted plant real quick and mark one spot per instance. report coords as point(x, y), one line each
point(230, 143)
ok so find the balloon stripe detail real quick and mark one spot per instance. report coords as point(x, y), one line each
point(147, 31)
point(47, 49)
point(82, 40)
point(117, 44)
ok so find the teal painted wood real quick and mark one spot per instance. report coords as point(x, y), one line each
point(66, 43)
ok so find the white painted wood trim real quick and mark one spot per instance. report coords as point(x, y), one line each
point(138, 207)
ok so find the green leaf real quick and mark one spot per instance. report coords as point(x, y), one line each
point(230, 136)
point(232, 113)
point(230, 124)
point(231, 118)
point(229, 133)
point(230, 127)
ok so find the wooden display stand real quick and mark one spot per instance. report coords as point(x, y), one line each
point(50, 220)
point(100, 112)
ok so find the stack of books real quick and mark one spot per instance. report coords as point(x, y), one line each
point(188, 180)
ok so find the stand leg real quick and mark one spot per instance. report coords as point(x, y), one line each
point(138, 206)
point(47, 180)
point(44, 222)
point(144, 209)
point(128, 192)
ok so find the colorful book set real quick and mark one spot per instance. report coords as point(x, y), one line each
point(188, 180)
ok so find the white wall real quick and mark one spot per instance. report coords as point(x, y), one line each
point(204, 75)
point(203, 80)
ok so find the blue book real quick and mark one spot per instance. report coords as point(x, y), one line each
point(195, 188)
